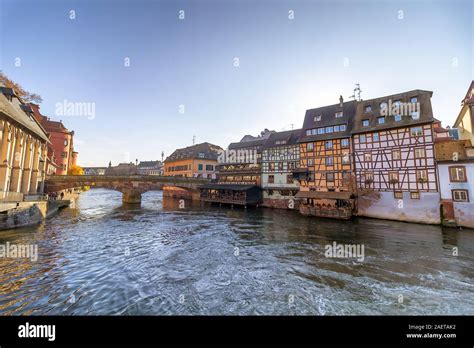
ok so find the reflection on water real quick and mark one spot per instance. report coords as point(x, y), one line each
point(106, 258)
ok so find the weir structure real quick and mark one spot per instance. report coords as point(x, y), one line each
point(131, 186)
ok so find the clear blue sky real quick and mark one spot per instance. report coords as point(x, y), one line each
point(286, 65)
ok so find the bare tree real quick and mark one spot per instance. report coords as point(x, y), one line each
point(19, 90)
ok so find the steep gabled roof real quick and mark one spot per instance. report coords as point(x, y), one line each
point(199, 151)
point(425, 112)
point(284, 138)
point(328, 118)
point(17, 111)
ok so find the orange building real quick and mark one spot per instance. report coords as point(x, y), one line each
point(62, 143)
point(197, 161)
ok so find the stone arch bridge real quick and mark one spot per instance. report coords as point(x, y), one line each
point(131, 186)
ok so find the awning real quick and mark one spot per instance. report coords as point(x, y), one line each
point(227, 187)
point(323, 195)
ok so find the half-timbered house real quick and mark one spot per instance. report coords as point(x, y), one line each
point(280, 157)
point(325, 170)
point(394, 160)
point(239, 173)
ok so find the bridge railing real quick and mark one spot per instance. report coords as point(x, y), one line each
point(86, 178)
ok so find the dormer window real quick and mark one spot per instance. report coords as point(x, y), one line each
point(201, 155)
point(368, 108)
point(414, 100)
point(339, 114)
point(317, 118)
point(365, 123)
point(383, 108)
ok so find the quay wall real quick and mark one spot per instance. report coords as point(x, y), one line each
point(383, 205)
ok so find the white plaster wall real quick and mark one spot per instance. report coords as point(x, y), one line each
point(386, 206)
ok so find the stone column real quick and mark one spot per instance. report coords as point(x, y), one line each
point(35, 164)
point(131, 197)
point(17, 161)
point(26, 178)
point(4, 149)
point(42, 166)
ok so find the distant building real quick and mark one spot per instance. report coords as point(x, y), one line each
point(94, 170)
point(23, 149)
point(62, 141)
point(122, 169)
point(280, 157)
point(150, 168)
point(465, 120)
point(197, 161)
point(239, 173)
point(455, 159)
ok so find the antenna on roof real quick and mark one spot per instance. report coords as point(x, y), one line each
point(194, 139)
point(292, 126)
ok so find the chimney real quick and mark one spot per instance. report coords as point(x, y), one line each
point(341, 101)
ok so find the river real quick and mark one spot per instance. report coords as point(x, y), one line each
point(105, 258)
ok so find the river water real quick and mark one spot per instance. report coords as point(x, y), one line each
point(105, 258)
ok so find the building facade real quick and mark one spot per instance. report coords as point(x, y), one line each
point(394, 158)
point(325, 170)
point(465, 120)
point(23, 149)
point(62, 141)
point(280, 157)
point(94, 170)
point(150, 168)
point(199, 161)
point(239, 173)
point(455, 159)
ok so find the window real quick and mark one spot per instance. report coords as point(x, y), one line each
point(289, 179)
point(368, 177)
point(201, 155)
point(362, 138)
point(367, 157)
point(419, 152)
point(383, 107)
point(330, 177)
point(415, 115)
point(365, 123)
point(209, 167)
point(381, 120)
point(329, 161)
point(421, 175)
point(336, 128)
point(344, 143)
point(457, 174)
point(308, 132)
point(64, 154)
point(375, 137)
point(393, 176)
point(271, 179)
point(398, 194)
point(339, 114)
point(317, 118)
point(346, 177)
point(416, 131)
point(414, 100)
point(345, 158)
point(280, 166)
point(328, 144)
point(343, 127)
point(272, 167)
point(415, 195)
point(200, 166)
point(65, 142)
point(329, 129)
point(396, 154)
point(320, 130)
point(310, 162)
point(398, 118)
point(368, 108)
point(310, 146)
point(460, 195)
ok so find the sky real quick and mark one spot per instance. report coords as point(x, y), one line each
point(153, 75)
